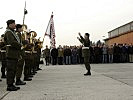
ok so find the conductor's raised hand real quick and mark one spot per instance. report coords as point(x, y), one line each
point(78, 38)
point(79, 34)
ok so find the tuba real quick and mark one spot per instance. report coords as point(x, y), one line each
point(32, 38)
point(26, 38)
point(38, 44)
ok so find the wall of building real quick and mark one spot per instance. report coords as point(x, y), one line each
point(121, 30)
point(122, 39)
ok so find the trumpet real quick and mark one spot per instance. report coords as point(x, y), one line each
point(25, 37)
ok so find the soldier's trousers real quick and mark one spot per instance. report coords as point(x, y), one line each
point(47, 60)
point(27, 67)
point(87, 63)
point(19, 69)
point(11, 70)
point(33, 63)
point(3, 68)
point(86, 55)
point(3, 58)
point(38, 61)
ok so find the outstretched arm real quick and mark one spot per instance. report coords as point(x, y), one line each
point(81, 39)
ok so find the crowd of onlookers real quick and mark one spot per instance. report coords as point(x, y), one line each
point(116, 53)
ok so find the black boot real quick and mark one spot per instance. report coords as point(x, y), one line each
point(32, 73)
point(27, 79)
point(30, 76)
point(19, 82)
point(0, 80)
point(88, 73)
point(3, 75)
point(39, 69)
point(12, 88)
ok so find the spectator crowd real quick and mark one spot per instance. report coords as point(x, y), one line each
point(116, 53)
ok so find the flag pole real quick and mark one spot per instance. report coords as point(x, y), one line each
point(24, 13)
point(24, 20)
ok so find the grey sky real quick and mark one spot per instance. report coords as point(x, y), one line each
point(96, 17)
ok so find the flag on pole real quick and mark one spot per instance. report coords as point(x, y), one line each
point(50, 31)
point(25, 11)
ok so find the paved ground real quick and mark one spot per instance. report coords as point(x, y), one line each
point(108, 82)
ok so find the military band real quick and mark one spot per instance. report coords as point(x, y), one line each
point(20, 53)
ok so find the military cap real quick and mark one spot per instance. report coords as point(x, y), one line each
point(10, 21)
point(18, 26)
point(87, 34)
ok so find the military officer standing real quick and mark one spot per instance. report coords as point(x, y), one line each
point(20, 63)
point(13, 48)
point(38, 49)
point(47, 55)
point(85, 51)
point(28, 59)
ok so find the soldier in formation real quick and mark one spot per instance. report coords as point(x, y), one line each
point(17, 52)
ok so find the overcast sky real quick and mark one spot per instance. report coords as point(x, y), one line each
point(96, 17)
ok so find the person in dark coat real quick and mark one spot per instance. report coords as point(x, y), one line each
point(74, 55)
point(80, 57)
point(116, 53)
point(3, 56)
point(130, 52)
point(91, 54)
point(67, 53)
point(54, 55)
point(97, 57)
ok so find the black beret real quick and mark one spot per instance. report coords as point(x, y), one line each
point(87, 34)
point(18, 26)
point(10, 21)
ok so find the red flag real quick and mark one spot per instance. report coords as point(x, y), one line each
point(50, 31)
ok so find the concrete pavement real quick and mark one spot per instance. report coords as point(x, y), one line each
point(67, 82)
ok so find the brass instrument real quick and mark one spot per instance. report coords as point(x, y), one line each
point(40, 43)
point(24, 32)
point(30, 37)
point(33, 34)
point(26, 38)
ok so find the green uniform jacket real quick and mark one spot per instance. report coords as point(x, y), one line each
point(86, 43)
point(14, 48)
point(47, 52)
point(22, 53)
